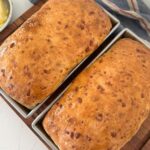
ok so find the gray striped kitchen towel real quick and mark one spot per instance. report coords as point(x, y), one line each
point(137, 10)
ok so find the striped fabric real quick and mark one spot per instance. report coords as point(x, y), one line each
point(34, 1)
point(135, 9)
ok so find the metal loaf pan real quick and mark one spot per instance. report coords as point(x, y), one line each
point(26, 113)
point(37, 123)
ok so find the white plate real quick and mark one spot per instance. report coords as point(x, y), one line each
point(9, 4)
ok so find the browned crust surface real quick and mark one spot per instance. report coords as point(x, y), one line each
point(106, 104)
point(39, 55)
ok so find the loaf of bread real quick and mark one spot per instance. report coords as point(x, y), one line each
point(35, 59)
point(106, 104)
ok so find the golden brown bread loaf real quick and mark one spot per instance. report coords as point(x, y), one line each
point(39, 55)
point(106, 104)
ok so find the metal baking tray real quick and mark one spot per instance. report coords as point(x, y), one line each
point(26, 113)
point(37, 123)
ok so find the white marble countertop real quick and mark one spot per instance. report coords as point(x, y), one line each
point(14, 134)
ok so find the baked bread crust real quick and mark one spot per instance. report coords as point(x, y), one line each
point(36, 58)
point(106, 104)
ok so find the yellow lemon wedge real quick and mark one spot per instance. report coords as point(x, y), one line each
point(3, 12)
